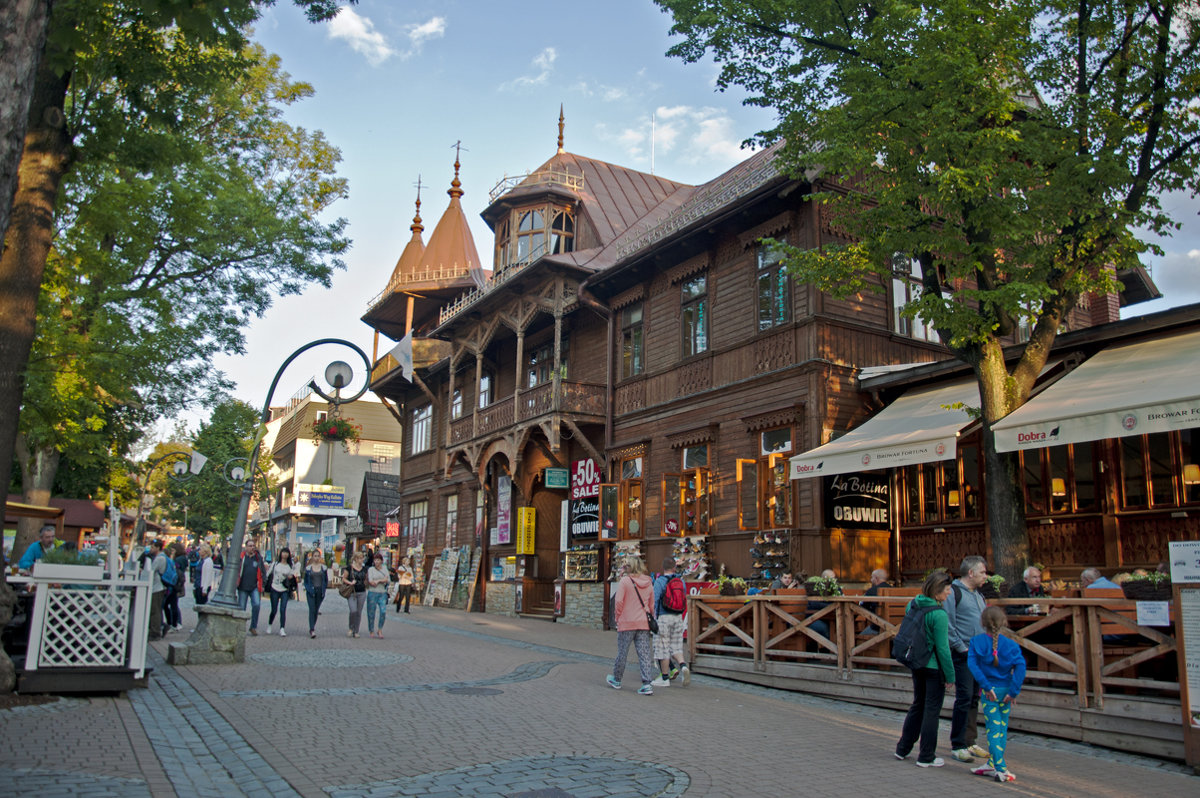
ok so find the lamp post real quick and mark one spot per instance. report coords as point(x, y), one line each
point(236, 475)
point(339, 374)
point(186, 466)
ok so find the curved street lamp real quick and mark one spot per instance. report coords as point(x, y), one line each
point(182, 471)
point(236, 475)
point(339, 375)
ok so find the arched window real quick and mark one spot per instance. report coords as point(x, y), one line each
point(531, 233)
point(562, 233)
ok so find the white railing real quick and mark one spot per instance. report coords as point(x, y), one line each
point(85, 618)
point(573, 182)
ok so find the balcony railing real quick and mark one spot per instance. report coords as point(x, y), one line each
point(580, 398)
point(573, 182)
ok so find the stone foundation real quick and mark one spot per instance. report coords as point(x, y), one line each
point(219, 639)
point(583, 604)
point(501, 599)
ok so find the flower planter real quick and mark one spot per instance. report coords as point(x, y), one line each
point(1145, 590)
point(67, 573)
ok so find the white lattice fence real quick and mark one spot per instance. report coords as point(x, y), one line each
point(85, 628)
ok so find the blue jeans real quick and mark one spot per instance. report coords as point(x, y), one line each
point(922, 718)
point(376, 602)
point(279, 602)
point(255, 602)
point(315, 597)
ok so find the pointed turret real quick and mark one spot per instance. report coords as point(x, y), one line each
point(451, 258)
point(410, 258)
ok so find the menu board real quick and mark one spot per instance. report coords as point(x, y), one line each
point(446, 575)
point(1189, 640)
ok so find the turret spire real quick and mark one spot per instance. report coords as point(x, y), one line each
point(417, 227)
point(560, 127)
point(455, 191)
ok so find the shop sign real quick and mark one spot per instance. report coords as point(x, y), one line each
point(320, 496)
point(857, 501)
point(557, 478)
point(1185, 561)
point(585, 517)
point(392, 529)
point(526, 529)
point(585, 479)
point(504, 510)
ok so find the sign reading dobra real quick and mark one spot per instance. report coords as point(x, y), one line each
point(320, 496)
point(857, 501)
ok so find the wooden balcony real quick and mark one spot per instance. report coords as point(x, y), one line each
point(577, 399)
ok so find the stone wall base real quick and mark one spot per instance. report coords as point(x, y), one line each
point(219, 639)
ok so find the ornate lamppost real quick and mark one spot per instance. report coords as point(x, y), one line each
point(220, 635)
point(234, 473)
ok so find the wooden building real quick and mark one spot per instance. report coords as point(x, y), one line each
point(637, 340)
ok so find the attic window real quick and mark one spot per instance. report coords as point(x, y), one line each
point(530, 233)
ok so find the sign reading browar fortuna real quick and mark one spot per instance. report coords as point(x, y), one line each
point(857, 501)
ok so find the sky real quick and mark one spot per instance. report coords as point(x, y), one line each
point(398, 84)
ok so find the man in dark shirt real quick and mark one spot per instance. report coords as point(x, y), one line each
point(1030, 587)
point(250, 582)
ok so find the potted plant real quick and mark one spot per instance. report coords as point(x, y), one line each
point(822, 586)
point(991, 588)
point(731, 585)
point(1147, 586)
point(336, 428)
point(69, 565)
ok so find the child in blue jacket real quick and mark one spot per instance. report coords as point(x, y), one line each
point(998, 666)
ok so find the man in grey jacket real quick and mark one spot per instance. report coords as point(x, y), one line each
point(964, 606)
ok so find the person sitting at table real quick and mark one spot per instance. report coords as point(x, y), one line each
point(38, 548)
point(786, 581)
point(878, 580)
point(1092, 578)
point(1030, 587)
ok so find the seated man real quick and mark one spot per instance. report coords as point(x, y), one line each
point(38, 548)
point(1092, 578)
point(786, 581)
point(1030, 587)
point(878, 580)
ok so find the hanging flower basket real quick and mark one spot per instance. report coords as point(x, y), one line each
point(335, 428)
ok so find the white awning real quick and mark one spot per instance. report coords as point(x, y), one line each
point(1148, 386)
point(920, 427)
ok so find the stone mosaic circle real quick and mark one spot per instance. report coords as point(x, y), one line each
point(329, 658)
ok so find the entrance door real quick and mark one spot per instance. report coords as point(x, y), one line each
point(548, 504)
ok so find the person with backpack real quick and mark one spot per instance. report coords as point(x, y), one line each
point(965, 606)
point(923, 644)
point(156, 563)
point(670, 605)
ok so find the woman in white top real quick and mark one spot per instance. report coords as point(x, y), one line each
point(280, 581)
point(404, 592)
point(205, 575)
point(377, 582)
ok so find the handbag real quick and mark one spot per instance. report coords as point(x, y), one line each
point(649, 618)
point(346, 589)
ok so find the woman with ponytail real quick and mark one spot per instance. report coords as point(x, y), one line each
point(998, 666)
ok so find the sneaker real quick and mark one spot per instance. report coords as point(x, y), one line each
point(282, 633)
point(687, 674)
point(613, 682)
point(645, 689)
point(312, 634)
point(268, 630)
point(975, 750)
point(1004, 775)
point(661, 682)
point(350, 633)
point(254, 632)
point(899, 755)
point(984, 770)
point(936, 763)
point(962, 755)
point(674, 672)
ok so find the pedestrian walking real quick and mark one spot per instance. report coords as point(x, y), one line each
point(281, 579)
point(931, 679)
point(316, 581)
point(155, 561)
point(202, 585)
point(965, 605)
point(634, 609)
point(670, 604)
point(172, 617)
point(356, 574)
point(998, 666)
point(377, 584)
point(250, 582)
point(404, 589)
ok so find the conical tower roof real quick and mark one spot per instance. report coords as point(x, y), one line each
point(410, 259)
point(451, 257)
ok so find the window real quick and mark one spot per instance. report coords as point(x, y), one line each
point(622, 510)
point(774, 290)
point(418, 517)
point(381, 458)
point(1154, 469)
point(531, 233)
point(540, 367)
point(687, 503)
point(486, 388)
point(422, 428)
point(1060, 479)
point(531, 236)
point(906, 287)
point(695, 456)
point(451, 519)
point(631, 341)
point(694, 316)
point(946, 491)
point(456, 404)
point(764, 486)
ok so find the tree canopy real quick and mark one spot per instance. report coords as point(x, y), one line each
point(1014, 152)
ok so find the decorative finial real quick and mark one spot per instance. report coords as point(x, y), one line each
point(560, 127)
point(417, 227)
point(455, 189)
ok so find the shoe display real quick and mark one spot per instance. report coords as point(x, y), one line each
point(645, 689)
point(613, 682)
point(936, 763)
point(962, 755)
point(687, 674)
point(975, 750)
point(661, 682)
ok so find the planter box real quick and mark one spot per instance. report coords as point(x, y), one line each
point(68, 573)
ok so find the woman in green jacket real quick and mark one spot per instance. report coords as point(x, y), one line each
point(929, 682)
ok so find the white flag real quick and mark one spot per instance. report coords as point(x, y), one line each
point(403, 353)
point(198, 461)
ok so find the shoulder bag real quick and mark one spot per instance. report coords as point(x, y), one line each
point(649, 618)
point(346, 588)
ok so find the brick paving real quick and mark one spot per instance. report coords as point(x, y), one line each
point(455, 704)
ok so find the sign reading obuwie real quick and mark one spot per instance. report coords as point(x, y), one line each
point(857, 501)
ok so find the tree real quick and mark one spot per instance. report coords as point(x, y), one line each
point(1015, 151)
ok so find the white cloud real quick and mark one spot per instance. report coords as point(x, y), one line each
point(435, 28)
point(543, 62)
point(684, 135)
point(359, 32)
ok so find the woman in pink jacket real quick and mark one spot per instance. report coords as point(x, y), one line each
point(635, 598)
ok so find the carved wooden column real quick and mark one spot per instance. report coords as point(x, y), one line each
point(478, 380)
point(517, 384)
point(556, 396)
point(450, 396)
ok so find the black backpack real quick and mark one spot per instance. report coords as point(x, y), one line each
point(911, 645)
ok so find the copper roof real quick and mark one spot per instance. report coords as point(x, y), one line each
point(451, 252)
point(410, 258)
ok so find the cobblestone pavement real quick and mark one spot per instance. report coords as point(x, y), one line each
point(454, 704)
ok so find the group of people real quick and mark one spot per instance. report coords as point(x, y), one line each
point(650, 615)
point(967, 651)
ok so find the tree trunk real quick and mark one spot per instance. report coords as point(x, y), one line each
point(23, 26)
point(38, 469)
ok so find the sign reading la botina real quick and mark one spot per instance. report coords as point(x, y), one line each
point(857, 501)
point(585, 499)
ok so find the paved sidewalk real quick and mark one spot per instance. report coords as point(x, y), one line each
point(455, 704)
